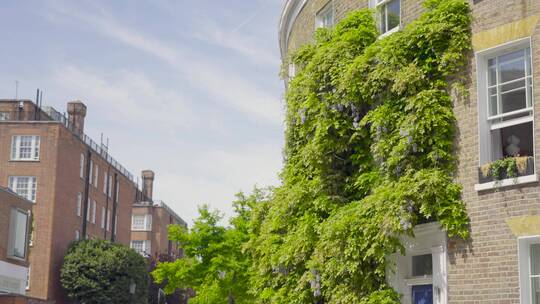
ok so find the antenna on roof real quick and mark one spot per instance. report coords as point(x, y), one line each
point(16, 89)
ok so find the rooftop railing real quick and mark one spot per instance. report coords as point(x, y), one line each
point(50, 114)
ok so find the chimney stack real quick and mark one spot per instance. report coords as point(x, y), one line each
point(147, 183)
point(76, 114)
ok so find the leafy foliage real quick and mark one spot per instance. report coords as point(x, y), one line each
point(369, 155)
point(96, 271)
point(215, 266)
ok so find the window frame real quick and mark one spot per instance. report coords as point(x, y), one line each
point(96, 176)
point(79, 204)
point(35, 146)
point(81, 166)
point(13, 182)
point(94, 211)
point(103, 217)
point(12, 231)
point(524, 245)
point(321, 15)
point(91, 173)
point(146, 247)
point(487, 124)
point(378, 5)
point(146, 224)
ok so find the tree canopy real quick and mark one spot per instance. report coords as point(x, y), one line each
point(215, 264)
point(97, 271)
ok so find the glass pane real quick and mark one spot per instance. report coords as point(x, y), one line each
point(513, 85)
point(535, 290)
point(492, 73)
point(493, 105)
point(528, 60)
point(512, 141)
point(422, 294)
point(19, 246)
point(383, 19)
point(506, 58)
point(511, 70)
point(393, 14)
point(515, 100)
point(422, 265)
point(535, 259)
point(529, 92)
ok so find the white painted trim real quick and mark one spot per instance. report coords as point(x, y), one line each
point(484, 127)
point(290, 12)
point(524, 266)
point(507, 182)
point(513, 122)
point(428, 239)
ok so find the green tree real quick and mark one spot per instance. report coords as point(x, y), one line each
point(97, 271)
point(215, 266)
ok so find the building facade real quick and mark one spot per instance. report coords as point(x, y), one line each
point(500, 263)
point(15, 221)
point(77, 189)
point(149, 224)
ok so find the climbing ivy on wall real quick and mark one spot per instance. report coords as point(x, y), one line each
point(368, 155)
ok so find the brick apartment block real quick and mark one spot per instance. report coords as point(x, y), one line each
point(150, 221)
point(15, 220)
point(46, 157)
point(500, 263)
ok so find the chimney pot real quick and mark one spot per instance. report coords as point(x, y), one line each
point(76, 114)
point(148, 183)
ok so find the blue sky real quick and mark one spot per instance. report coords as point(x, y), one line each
point(189, 89)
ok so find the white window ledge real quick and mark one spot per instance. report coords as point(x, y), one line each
point(507, 182)
point(390, 32)
point(426, 280)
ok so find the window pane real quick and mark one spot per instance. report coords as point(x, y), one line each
point(512, 70)
point(528, 60)
point(518, 84)
point(535, 290)
point(422, 265)
point(383, 19)
point(535, 259)
point(513, 141)
point(507, 58)
point(493, 109)
point(393, 14)
point(529, 92)
point(492, 72)
point(19, 244)
point(515, 100)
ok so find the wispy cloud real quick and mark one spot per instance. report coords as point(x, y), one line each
point(132, 96)
point(225, 85)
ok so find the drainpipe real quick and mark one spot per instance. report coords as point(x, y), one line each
point(86, 193)
point(115, 206)
point(107, 203)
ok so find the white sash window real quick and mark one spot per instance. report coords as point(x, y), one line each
point(25, 147)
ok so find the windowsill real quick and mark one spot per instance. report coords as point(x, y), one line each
point(25, 160)
point(15, 258)
point(390, 32)
point(507, 182)
point(419, 280)
point(141, 230)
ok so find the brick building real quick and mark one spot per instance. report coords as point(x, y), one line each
point(500, 263)
point(15, 219)
point(46, 158)
point(149, 222)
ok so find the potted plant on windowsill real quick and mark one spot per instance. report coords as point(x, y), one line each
point(509, 167)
